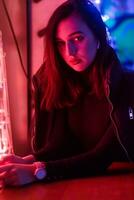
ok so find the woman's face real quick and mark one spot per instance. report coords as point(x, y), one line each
point(76, 43)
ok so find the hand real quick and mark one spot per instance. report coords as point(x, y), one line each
point(11, 158)
point(13, 174)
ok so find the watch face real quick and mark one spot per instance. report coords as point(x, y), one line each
point(40, 173)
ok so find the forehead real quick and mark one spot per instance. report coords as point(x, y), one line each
point(73, 23)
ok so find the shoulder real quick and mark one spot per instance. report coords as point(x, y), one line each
point(120, 81)
point(39, 76)
point(115, 72)
point(121, 85)
point(129, 85)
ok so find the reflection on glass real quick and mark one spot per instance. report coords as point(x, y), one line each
point(5, 125)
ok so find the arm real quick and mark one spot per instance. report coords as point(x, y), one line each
point(50, 128)
point(94, 161)
point(90, 162)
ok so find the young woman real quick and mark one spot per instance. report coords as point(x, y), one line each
point(83, 116)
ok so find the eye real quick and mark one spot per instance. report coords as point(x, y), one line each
point(78, 38)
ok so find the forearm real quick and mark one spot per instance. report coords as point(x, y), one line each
point(29, 158)
point(88, 163)
point(92, 161)
point(85, 164)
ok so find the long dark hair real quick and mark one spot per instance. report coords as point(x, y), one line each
point(61, 86)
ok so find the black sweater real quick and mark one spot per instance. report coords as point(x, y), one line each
point(78, 140)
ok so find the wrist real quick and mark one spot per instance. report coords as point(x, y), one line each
point(40, 172)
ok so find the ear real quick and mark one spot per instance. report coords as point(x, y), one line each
point(98, 45)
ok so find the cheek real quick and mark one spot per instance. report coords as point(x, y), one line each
point(90, 51)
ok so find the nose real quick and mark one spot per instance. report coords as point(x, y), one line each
point(70, 49)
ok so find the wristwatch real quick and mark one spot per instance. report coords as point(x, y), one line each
point(40, 171)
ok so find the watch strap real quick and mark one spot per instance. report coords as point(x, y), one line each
point(40, 170)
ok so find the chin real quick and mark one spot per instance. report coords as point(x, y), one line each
point(80, 69)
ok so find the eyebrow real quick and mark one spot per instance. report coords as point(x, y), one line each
point(76, 32)
point(71, 34)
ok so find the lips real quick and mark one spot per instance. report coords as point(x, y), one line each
point(74, 61)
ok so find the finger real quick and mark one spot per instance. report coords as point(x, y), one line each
point(8, 174)
point(6, 167)
point(1, 184)
point(2, 180)
point(6, 158)
point(11, 178)
point(10, 181)
point(8, 177)
point(3, 175)
point(12, 158)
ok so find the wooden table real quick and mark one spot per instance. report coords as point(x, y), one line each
point(117, 184)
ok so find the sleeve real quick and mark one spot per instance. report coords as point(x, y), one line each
point(124, 114)
point(122, 97)
point(88, 163)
